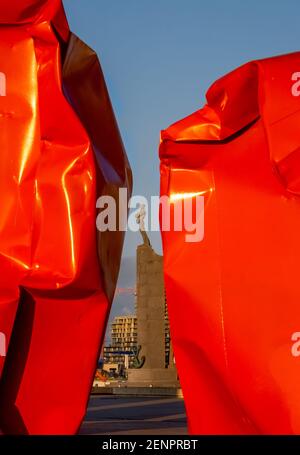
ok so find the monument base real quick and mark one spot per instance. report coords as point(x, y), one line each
point(156, 377)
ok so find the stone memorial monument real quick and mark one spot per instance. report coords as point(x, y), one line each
point(152, 367)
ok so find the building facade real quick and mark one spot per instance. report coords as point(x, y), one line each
point(123, 344)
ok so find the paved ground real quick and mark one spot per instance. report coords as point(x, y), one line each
point(132, 415)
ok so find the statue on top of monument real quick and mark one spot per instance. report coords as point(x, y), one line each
point(140, 219)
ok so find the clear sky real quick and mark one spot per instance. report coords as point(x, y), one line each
point(160, 56)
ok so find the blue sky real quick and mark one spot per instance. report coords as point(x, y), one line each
point(160, 56)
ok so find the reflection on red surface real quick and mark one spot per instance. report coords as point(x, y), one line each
point(60, 150)
point(234, 297)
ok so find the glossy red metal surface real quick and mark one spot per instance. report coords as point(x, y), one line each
point(60, 150)
point(234, 296)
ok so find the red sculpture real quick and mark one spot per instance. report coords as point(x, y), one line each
point(234, 295)
point(60, 150)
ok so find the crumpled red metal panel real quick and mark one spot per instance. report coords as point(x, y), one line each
point(60, 150)
point(234, 296)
